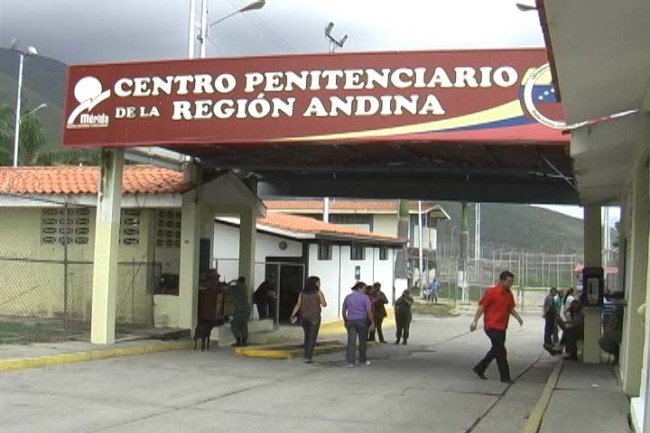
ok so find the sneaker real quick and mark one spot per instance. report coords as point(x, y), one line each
point(351, 365)
point(479, 373)
point(404, 343)
point(365, 363)
point(397, 342)
point(308, 361)
point(507, 381)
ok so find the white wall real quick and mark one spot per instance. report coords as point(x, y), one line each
point(337, 275)
point(226, 251)
point(385, 224)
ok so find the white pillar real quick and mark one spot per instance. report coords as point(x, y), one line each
point(107, 229)
point(189, 267)
point(247, 232)
point(593, 257)
point(635, 222)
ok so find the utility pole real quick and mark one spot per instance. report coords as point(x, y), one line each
point(477, 241)
point(464, 252)
point(333, 44)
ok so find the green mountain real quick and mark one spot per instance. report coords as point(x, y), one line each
point(517, 226)
point(43, 82)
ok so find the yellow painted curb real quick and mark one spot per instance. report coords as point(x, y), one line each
point(280, 351)
point(337, 327)
point(92, 355)
point(535, 418)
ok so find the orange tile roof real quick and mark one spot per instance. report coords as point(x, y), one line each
point(310, 225)
point(137, 179)
point(361, 206)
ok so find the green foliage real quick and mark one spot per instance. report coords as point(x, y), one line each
point(517, 226)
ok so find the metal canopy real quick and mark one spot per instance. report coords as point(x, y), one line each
point(490, 172)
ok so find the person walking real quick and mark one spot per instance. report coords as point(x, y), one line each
point(356, 312)
point(403, 316)
point(242, 312)
point(310, 302)
point(378, 299)
point(497, 304)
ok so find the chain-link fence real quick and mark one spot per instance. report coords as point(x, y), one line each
point(46, 253)
point(535, 273)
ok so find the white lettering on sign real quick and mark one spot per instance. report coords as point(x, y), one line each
point(353, 92)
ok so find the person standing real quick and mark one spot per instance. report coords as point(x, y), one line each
point(549, 313)
point(378, 299)
point(242, 312)
point(403, 316)
point(357, 311)
point(310, 302)
point(433, 291)
point(497, 304)
point(264, 298)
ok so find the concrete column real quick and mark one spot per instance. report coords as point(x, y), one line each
point(247, 232)
point(188, 293)
point(593, 258)
point(635, 222)
point(107, 232)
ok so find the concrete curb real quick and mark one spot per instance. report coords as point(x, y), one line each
point(537, 414)
point(92, 355)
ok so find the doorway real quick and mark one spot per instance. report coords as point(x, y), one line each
point(290, 273)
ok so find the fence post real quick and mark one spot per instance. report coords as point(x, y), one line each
point(65, 270)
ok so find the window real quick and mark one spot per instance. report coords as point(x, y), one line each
point(324, 252)
point(357, 252)
point(130, 227)
point(383, 253)
point(168, 228)
point(350, 219)
point(65, 226)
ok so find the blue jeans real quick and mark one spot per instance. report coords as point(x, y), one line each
point(356, 328)
point(311, 334)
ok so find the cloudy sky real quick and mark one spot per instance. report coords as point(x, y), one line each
point(91, 31)
point(96, 31)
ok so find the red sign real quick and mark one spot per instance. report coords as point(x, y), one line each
point(486, 95)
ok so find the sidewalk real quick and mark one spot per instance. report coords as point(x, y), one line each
point(586, 398)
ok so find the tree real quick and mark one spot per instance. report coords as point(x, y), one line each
point(6, 133)
point(32, 139)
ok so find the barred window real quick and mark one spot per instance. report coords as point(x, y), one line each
point(168, 228)
point(350, 219)
point(65, 226)
point(324, 252)
point(130, 227)
point(357, 252)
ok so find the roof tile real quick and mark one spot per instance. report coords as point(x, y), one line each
point(137, 179)
point(310, 225)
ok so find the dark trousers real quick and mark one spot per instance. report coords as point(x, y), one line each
point(311, 334)
point(380, 333)
point(239, 324)
point(549, 326)
point(498, 351)
point(403, 324)
point(356, 328)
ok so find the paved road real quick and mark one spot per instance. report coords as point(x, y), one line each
point(426, 386)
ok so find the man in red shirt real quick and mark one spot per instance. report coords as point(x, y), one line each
point(497, 304)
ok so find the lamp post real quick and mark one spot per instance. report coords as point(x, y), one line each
point(205, 28)
point(31, 52)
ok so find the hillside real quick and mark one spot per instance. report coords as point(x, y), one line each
point(43, 81)
point(519, 226)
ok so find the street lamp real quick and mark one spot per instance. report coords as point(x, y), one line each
point(31, 52)
point(526, 7)
point(205, 28)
